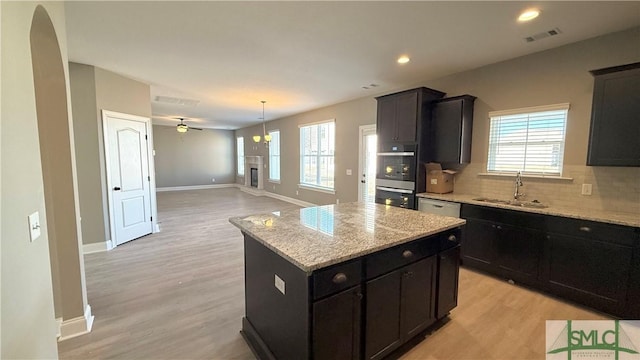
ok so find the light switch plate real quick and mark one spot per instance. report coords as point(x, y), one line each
point(349, 172)
point(34, 226)
point(279, 284)
point(586, 189)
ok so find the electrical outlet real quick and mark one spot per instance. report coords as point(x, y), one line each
point(586, 189)
point(213, 180)
point(337, 201)
point(279, 283)
point(349, 172)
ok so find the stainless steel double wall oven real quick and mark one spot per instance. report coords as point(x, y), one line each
point(396, 174)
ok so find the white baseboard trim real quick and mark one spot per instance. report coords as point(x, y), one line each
point(194, 187)
point(97, 247)
point(76, 326)
point(289, 200)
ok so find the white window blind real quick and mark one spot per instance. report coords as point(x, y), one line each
point(274, 156)
point(530, 140)
point(317, 152)
point(240, 155)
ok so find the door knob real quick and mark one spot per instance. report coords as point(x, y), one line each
point(116, 188)
point(362, 181)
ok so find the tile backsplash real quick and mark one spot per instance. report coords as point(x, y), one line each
point(615, 189)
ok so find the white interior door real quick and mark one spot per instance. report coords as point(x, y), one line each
point(128, 176)
point(367, 163)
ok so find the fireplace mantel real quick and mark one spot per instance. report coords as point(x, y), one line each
point(254, 161)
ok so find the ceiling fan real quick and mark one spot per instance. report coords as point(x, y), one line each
point(183, 128)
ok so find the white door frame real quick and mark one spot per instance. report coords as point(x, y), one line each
point(152, 172)
point(361, 132)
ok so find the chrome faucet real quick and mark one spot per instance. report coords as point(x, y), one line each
point(517, 194)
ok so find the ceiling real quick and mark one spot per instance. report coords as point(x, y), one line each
point(300, 56)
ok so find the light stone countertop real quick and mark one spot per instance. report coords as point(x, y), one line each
point(617, 218)
point(316, 237)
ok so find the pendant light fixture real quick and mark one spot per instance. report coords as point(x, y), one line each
point(267, 137)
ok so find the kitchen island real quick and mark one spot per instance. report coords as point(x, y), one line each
point(348, 281)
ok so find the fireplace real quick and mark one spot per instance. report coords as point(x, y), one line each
point(254, 177)
point(254, 169)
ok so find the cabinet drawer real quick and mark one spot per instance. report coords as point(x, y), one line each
point(390, 259)
point(336, 278)
point(622, 235)
point(505, 216)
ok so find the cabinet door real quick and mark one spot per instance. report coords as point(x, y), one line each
point(386, 127)
point(518, 252)
point(615, 120)
point(477, 243)
point(336, 326)
point(382, 330)
point(592, 272)
point(406, 116)
point(448, 272)
point(446, 131)
point(418, 299)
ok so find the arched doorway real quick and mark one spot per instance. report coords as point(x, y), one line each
point(58, 174)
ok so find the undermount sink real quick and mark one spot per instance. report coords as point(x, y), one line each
point(518, 203)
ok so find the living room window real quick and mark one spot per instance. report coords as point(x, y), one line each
point(240, 155)
point(530, 140)
point(274, 156)
point(317, 153)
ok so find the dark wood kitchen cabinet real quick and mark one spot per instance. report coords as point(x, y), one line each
point(448, 271)
point(503, 242)
point(615, 117)
point(590, 263)
point(402, 115)
point(406, 294)
point(451, 127)
point(336, 326)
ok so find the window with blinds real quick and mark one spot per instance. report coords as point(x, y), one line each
point(530, 140)
point(274, 156)
point(317, 155)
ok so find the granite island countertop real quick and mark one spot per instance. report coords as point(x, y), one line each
point(610, 217)
point(316, 237)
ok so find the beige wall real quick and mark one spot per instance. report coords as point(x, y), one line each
point(349, 116)
point(550, 77)
point(27, 312)
point(555, 76)
point(92, 90)
point(193, 158)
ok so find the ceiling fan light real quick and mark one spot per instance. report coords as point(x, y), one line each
point(256, 138)
point(182, 128)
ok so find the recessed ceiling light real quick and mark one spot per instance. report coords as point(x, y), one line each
point(403, 59)
point(528, 15)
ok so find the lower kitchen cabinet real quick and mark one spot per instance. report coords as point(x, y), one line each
point(595, 273)
point(407, 295)
point(336, 326)
point(448, 271)
point(591, 263)
point(477, 246)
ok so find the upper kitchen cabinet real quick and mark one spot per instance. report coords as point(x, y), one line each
point(451, 126)
point(615, 117)
point(401, 115)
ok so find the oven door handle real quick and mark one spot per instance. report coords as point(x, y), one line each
point(402, 191)
point(407, 153)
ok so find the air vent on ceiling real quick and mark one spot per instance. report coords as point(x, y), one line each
point(542, 35)
point(176, 101)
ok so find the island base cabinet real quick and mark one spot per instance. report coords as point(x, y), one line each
point(448, 271)
point(336, 326)
point(407, 294)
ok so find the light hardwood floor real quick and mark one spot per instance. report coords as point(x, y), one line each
point(179, 294)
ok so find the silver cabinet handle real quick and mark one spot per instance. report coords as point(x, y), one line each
point(339, 278)
point(407, 254)
point(452, 238)
point(585, 228)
